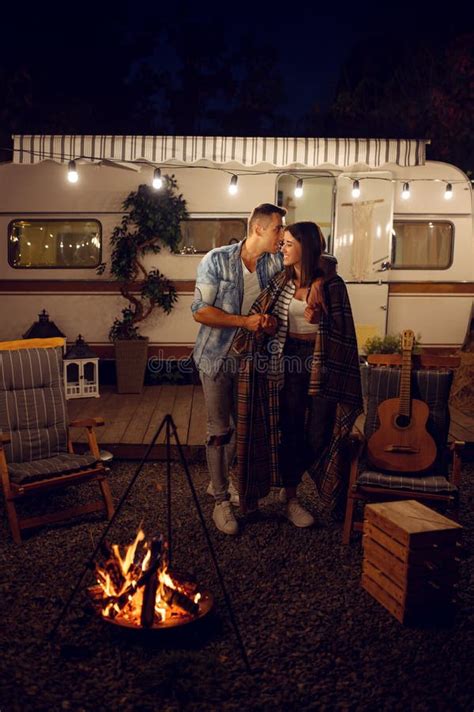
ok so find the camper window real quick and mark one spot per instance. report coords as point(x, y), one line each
point(316, 203)
point(199, 235)
point(422, 244)
point(54, 243)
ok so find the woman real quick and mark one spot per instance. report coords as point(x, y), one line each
point(299, 384)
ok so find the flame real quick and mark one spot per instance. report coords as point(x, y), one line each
point(126, 562)
point(121, 574)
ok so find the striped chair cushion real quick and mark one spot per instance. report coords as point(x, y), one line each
point(434, 483)
point(32, 403)
point(429, 385)
point(64, 463)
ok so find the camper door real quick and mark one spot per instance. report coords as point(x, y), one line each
point(362, 236)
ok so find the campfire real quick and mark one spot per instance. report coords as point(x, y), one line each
point(136, 589)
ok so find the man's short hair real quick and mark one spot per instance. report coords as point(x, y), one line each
point(265, 210)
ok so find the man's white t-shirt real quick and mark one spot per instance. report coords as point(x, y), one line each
point(251, 289)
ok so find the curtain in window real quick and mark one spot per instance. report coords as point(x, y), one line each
point(363, 236)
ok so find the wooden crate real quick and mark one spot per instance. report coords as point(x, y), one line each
point(411, 558)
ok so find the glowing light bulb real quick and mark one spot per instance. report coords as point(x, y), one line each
point(233, 188)
point(448, 193)
point(406, 191)
point(355, 189)
point(157, 179)
point(299, 188)
point(72, 174)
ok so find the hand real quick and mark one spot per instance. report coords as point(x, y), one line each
point(269, 324)
point(316, 300)
point(312, 315)
point(253, 322)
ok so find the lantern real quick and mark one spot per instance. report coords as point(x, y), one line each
point(43, 328)
point(81, 371)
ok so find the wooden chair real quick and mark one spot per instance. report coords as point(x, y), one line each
point(36, 454)
point(438, 486)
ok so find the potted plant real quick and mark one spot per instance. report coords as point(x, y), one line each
point(152, 219)
point(387, 350)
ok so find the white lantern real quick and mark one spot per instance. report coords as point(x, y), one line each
point(81, 371)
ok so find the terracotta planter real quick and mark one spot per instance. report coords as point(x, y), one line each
point(385, 359)
point(130, 364)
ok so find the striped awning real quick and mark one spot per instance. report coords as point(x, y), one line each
point(279, 152)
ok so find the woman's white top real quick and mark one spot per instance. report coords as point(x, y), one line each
point(297, 324)
point(251, 289)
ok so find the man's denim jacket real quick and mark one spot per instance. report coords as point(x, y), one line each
point(220, 283)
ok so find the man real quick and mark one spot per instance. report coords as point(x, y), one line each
point(229, 279)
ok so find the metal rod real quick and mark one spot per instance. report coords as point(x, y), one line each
point(91, 560)
point(211, 548)
point(168, 487)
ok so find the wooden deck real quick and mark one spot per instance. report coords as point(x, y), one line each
point(132, 420)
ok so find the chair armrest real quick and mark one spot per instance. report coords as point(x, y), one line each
point(4, 439)
point(357, 443)
point(456, 446)
point(87, 423)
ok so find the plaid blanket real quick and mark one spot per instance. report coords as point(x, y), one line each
point(260, 379)
point(334, 376)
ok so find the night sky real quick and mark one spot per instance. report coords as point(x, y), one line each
point(314, 46)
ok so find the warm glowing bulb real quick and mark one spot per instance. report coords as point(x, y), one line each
point(72, 174)
point(406, 191)
point(233, 185)
point(448, 193)
point(157, 179)
point(355, 189)
point(299, 188)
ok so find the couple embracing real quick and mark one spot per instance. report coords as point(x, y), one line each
point(277, 357)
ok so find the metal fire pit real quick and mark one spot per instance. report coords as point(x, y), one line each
point(205, 605)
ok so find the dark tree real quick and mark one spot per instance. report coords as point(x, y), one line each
point(89, 75)
point(416, 91)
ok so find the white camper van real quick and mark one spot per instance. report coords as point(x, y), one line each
point(400, 226)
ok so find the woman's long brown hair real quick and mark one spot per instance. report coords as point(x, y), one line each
point(312, 242)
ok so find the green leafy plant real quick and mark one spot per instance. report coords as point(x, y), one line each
point(390, 344)
point(152, 219)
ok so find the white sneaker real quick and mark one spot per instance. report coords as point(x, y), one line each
point(224, 519)
point(298, 515)
point(234, 495)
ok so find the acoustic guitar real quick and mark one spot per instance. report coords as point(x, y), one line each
point(402, 443)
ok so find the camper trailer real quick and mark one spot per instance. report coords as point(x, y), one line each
point(400, 226)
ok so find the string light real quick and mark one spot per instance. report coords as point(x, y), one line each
point(233, 188)
point(157, 179)
point(72, 174)
point(448, 193)
point(355, 189)
point(406, 191)
point(299, 188)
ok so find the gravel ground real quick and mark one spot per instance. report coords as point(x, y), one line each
point(315, 639)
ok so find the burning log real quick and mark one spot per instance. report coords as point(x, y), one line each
point(112, 567)
point(173, 597)
point(120, 601)
point(147, 616)
point(137, 589)
point(136, 567)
